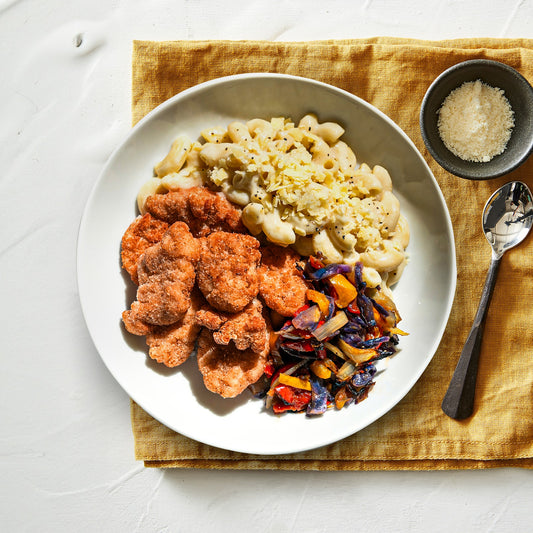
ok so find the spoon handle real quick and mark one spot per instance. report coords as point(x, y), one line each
point(458, 402)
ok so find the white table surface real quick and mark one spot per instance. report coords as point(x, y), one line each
point(66, 444)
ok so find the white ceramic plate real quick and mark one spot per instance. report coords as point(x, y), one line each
point(177, 397)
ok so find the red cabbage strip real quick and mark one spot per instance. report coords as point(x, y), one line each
point(380, 309)
point(330, 270)
point(360, 285)
point(367, 309)
point(319, 399)
point(363, 377)
point(371, 343)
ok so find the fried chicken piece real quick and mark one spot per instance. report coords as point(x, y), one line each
point(281, 284)
point(247, 328)
point(143, 232)
point(203, 210)
point(166, 274)
point(135, 325)
point(227, 270)
point(172, 345)
point(226, 370)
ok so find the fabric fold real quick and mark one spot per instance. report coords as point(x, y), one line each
point(393, 75)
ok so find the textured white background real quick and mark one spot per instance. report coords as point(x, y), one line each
point(66, 448)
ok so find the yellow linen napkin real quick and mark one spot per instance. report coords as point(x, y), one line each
point(393, 75)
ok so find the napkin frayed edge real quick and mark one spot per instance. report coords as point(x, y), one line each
point(327, 465)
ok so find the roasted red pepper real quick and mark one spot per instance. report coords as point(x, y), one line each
point(315, 263)
point(296, 399)
point(300, 346)
point(301, 333)
point(278, 406)
point(353, 308)
point(269, 369)
point(284, 368)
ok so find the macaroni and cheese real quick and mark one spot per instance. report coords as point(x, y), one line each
point(300, 186)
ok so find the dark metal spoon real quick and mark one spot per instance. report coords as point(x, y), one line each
point(507, 219)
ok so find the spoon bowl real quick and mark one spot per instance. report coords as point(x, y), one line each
point(506, 229)
point(507, 220)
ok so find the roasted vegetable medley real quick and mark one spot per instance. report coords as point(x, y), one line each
point(325, 356)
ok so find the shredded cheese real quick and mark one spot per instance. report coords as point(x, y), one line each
point(298, 185)
point(476, 121)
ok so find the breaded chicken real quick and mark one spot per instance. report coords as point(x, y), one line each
point(281, 284)
point(143, 232)
point(135, 325)
point(247, 328)
point(227, 370)
point(203, 210)
point(227, 270)
point(172, 345)
point(166, 274)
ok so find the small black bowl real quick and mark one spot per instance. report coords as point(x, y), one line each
point(518, 92)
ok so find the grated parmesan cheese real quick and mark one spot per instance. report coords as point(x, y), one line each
point(476, 121)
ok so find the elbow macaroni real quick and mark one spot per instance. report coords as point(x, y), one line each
point(299, 185)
